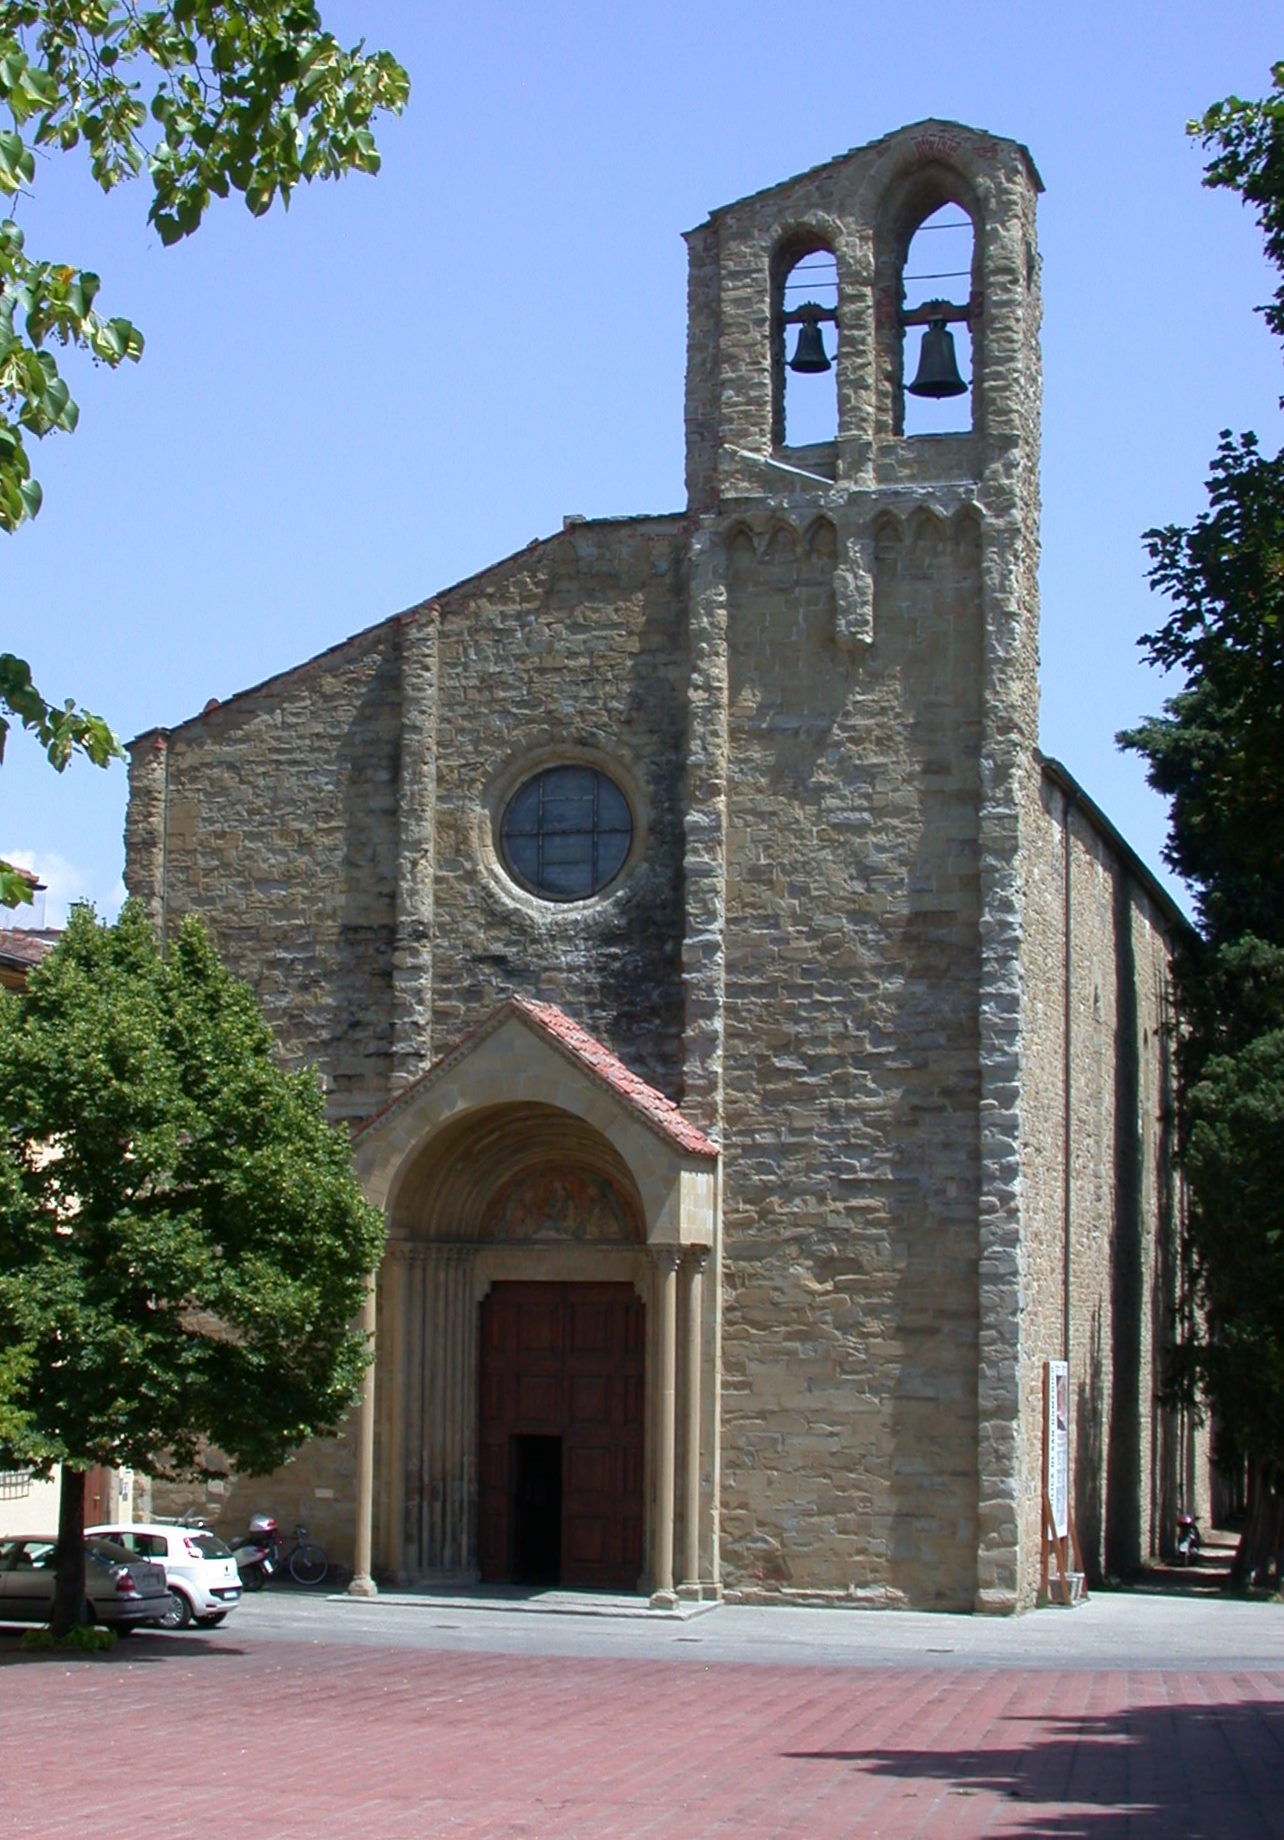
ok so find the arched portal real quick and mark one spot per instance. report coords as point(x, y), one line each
point(512, 1351)
point(550, 1217)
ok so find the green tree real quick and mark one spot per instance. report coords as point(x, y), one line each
point(205, 97)
point(1217, 752)
point(183, 1245)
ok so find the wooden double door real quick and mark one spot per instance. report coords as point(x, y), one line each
point(560, 1474)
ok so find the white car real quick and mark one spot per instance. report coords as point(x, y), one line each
point(199, 1568)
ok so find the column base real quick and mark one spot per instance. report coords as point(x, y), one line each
point(363, 1585)
point(664, 1600)
point(700, 1593)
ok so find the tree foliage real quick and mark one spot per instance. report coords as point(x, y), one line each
point(61, 732)
point(183, 1245)
point(1247, 143)
point(204, 98)
point(1217, 752)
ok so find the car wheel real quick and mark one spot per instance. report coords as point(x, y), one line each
point(213, 1620)
point(179, 1614)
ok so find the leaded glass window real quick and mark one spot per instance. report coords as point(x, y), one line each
point(566, 833)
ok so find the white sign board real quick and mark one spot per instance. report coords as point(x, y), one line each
point(1056, 1396)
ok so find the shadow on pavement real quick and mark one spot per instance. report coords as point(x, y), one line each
point(1180, 1770)
point(143, 1645)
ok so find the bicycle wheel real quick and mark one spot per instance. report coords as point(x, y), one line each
point(308, 1565)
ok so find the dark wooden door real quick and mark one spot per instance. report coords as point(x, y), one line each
point(566, 1362)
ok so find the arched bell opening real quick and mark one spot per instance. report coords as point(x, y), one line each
point(805, 302)
point(929, 305)
point(937, 357)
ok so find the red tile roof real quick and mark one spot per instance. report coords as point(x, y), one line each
point(612, 1072)
point(570, 1039)
point(23, 947)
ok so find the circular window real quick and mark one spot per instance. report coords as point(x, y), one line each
point(566, 832)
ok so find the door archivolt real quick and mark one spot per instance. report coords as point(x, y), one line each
point(524, 1174)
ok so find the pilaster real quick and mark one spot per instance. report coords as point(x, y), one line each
point(146, 825)
point(412, 958)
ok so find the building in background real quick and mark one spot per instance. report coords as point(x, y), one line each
point(760, 1052)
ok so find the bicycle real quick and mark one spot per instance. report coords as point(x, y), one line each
point(305, 1561)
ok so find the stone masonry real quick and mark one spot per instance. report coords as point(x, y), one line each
point(898, 970)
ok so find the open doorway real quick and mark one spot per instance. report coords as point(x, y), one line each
point(537, 1508)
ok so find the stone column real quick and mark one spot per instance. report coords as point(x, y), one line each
point(391, 1491)
point(363, 1585)
point(663, 1596)
point(442, 1418)
point(693, 1273)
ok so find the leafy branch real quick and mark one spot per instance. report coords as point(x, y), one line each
point(62, 730)
point(207, 97)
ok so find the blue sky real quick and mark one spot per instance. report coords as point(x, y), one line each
point(346, 408)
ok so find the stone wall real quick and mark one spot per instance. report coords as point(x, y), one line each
point(851, 1093)
point(576, 651)
point(1099, 1196)
point(297, 817)
point(274, 817)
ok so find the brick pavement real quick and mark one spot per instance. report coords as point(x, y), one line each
point(290, 1741)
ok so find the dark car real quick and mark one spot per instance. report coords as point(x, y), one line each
point(123, 1591)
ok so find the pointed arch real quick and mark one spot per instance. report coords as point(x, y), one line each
point(927, 540)
point(780, 550)
point(742, 553)
point(820, 541)
point(966, 534)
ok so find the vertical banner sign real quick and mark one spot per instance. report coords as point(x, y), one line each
point(1056, 1395)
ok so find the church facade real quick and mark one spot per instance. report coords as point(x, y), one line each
point(759, 1050)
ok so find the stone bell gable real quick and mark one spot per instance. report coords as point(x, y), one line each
point(677, 912)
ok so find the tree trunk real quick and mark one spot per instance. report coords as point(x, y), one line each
point(1259, 1557)
point(69, 1604)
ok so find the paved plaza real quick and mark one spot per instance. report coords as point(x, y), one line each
point(308, 1717)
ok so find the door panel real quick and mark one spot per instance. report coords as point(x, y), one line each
point(563, 1361)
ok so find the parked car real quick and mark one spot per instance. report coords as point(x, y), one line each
point(123, 1590)
point(199, 1568)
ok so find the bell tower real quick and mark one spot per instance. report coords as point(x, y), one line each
point(863, 714)
point(862, 210)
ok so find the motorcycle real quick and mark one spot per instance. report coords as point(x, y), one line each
point(1188, 1541)
point(258, 1552)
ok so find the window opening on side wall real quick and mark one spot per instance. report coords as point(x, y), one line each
point(938, 343)
point(807, 317)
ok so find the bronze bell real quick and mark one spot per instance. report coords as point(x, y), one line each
point(809, 353)
point(938, 370)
